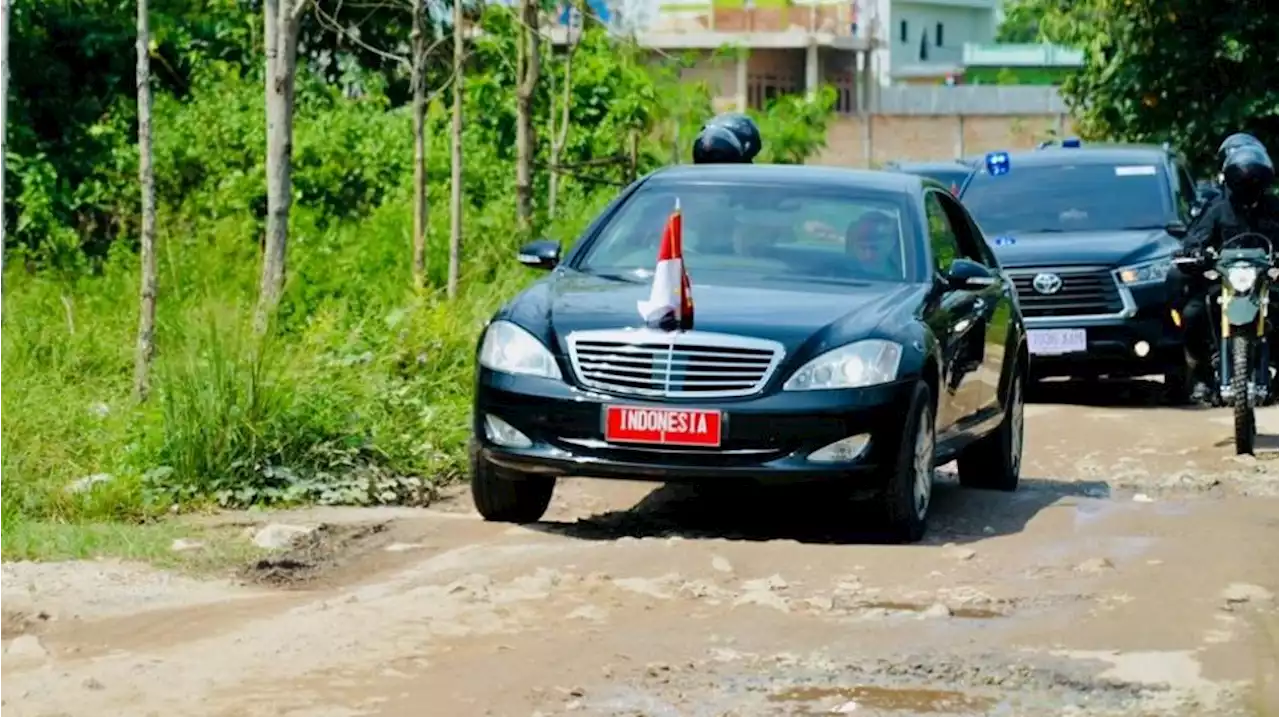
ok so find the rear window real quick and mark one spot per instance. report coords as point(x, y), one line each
point(775, 230)
point(1069, 198)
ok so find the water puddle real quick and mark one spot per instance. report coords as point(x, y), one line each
point(975, 613)
point(836, 700)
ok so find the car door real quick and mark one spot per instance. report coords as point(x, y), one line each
point(954, 323)
point(993, 308)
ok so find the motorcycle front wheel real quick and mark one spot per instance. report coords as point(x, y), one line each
point(1242, 405)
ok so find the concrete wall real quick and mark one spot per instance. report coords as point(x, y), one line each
point(959, 25)
point(852, 143)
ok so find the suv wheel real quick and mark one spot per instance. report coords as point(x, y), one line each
point(1180, 382)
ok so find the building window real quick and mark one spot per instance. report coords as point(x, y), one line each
point(902, 31)
point(937, 35)
point(924, 46)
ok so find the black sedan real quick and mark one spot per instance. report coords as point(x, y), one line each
point(851, 328)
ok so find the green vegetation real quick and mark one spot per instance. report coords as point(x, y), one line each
point(360, 393)
point(1185, 71)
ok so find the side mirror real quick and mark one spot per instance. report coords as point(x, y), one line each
point(969, 275)
point(1177, 230)
point(542, 254)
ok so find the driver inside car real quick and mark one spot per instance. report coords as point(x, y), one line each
point(872, 242)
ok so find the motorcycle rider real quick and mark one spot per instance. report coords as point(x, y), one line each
point(1246, 205)
point(1212, 189)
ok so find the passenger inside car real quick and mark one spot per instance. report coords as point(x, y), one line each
point(873, 240)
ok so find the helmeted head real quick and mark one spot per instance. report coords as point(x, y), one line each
point(743, 127)
point(1247, 174)
point(1236, 141)
point(717, 145)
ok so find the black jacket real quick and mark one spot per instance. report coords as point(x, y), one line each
point(1222, 220)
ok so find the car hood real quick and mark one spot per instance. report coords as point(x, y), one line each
point(787, 312)
point(1109, 248)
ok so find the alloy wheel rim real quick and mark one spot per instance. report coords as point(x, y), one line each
point(922, 487)
point(1015, 425)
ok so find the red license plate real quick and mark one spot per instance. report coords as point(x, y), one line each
point(662, 426)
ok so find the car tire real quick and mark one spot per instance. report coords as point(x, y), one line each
point(505, 496)
point(994, 462)
point(1179, 383)
point(908, 486)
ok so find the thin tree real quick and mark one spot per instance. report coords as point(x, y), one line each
point(282, 21)
point(455, 154)
point(4, 116)
point(146, 182)
point(417, 78)
point(528, 68)
point(561, 135)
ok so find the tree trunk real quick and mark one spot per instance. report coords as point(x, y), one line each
point(566, 105)
point(418, 80)
point(4, 119)
point(146, 180)
point(282, 24)
point(455, 155)
point(528, 66)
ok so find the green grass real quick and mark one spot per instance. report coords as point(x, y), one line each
point(222, 548)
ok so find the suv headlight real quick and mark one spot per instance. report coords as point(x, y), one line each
point(510, 349)
point(855, 365)
point(1242, 277)
point(1151, 272)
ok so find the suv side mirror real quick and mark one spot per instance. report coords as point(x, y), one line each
point(1177, 230)
point(969, 275)
point(542, 254)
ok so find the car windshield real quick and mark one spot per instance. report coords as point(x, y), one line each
point(1068, 198)
point(778, 231)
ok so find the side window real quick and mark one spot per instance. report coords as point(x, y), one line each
point(942, 236)
point(969, 238)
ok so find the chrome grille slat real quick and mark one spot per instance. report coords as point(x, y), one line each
point(687, 364)
point(1086, 291)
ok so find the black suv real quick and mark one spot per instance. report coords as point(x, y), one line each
point(1086, 234)
point(951, 172)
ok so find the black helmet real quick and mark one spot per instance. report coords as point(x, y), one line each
point(1248, 173)
point(743, 127)
point(718, 145)
point(1236, 141)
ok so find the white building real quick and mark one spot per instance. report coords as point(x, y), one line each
point(922, 41)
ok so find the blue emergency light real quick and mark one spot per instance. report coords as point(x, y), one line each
point(997, 163)
point(1071, 142)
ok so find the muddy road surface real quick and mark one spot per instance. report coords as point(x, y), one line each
point(1134, 573)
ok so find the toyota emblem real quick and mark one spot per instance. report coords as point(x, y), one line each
point(1047, 284)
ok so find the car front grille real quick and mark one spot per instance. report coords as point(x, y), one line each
point(692, 364)
point(1084, 292)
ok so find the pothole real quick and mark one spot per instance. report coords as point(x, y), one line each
point(851, 700)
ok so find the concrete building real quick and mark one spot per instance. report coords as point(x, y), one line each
point(783, 50)
point(922, 41)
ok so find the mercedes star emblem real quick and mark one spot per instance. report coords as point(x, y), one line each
point(1047, 283)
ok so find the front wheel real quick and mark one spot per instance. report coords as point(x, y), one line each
point(1242, 405)
point(504, 496)
point(994, 462)
point(904, 503)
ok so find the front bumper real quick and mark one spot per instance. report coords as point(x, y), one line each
point(765, 439)
point(1113, 341)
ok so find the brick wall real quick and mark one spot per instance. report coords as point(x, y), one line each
point(932, 137)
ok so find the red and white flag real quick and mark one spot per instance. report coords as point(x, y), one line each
point(670, 302)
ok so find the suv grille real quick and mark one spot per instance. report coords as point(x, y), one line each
point(1083, 292)
point(691, 364)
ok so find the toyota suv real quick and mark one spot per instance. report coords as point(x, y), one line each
point(1086, 234)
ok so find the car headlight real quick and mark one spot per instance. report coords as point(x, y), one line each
point(859, 364)
point(510, 349)
point(1242, 278)
point(1151, 272)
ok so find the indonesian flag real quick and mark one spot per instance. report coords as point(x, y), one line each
point(670, 302)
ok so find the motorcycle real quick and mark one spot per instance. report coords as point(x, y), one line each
point(1244, 269)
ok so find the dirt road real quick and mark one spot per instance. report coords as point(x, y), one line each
point(1134, 573)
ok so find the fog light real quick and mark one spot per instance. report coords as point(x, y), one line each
point(1142, 348)
point(842, 451)
point(504, 434)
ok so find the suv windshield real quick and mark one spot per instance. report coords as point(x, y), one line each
point(1068, 198)
point(781, 231)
